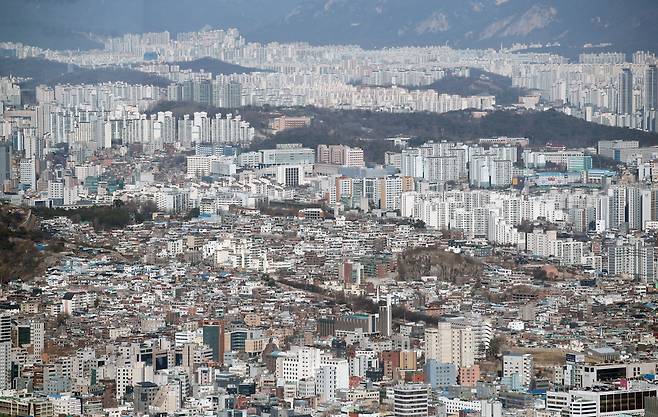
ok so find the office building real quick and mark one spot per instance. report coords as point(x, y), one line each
point(173, 200)
point(290, 175)
point(232, 95)
point(410, 400)
point(288, 154)
point(213, 337)
point(298, 363)
point(332, 375)
point(350, 273)
point(5, 351)
point(491, 408)
point(28, 406)
point(5, 162)
point(144, 394)
point(28, 173)
point(340, 155)
point(651, 407)
point(440, 375)
point(606, 401)
point(619, 150)
point(282, 123)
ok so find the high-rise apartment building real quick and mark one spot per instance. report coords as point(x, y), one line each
point(450, 343)
point(232, 95)
point(625, 105)
point(520, 366)
point(651, 88)
point(634, 258)
point(28, 173)
point(411, 163)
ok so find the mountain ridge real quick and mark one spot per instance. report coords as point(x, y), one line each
point(628, 25)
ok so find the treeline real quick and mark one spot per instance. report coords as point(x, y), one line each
point(109, 74)
point(433, 261)
point(116, 216)
point(258, 117)
point(367, 129)
point(479, 82)
point(214, 66)
point(330, 134)
point(551, 126)
point(357, 303)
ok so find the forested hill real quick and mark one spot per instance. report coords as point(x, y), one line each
point(43, 71)
point(19, 235)
point(540, 127)
point(367, 129)
point(479, 82)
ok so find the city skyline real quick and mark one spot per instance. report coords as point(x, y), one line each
point(310, 208)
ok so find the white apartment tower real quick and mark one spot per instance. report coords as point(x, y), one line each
point(519, 364)
point(450, 343)
point(299, 363)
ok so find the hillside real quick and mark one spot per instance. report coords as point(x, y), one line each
point(479, 82)
point(19, 234)
point(43, 71)
point(366, 129)
point(116, 216)
point(446, 266)
point(27, 250)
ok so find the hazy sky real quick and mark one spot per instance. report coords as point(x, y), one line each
point(626, 24)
